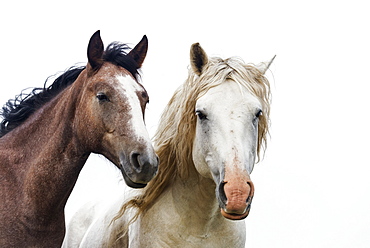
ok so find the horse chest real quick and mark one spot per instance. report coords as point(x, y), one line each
point(168, 229)
point(175, 238)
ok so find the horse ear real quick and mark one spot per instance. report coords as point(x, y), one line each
point(95, 51)
point(138, 53)
point(264, 66)
point(198, 58)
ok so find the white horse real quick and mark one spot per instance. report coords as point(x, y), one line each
point(208, 139)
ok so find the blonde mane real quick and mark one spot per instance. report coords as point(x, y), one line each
point(175, 135)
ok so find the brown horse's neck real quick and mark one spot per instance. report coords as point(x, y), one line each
point(44, 159)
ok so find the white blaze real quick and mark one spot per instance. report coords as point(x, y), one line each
point(130, 88)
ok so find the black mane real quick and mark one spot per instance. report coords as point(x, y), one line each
point(17, 110)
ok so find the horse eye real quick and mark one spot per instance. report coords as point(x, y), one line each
point(200, 115)
point(259, 113)
point(145, 96)
point(102, 97)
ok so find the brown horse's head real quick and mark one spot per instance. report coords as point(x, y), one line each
point(110, 113)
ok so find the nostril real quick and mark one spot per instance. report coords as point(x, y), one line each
point(251, 193)
point(222, 195)
point(156, 166)
point(135, 162)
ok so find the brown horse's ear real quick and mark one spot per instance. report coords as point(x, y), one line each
point(95, 51)
point(138, 53)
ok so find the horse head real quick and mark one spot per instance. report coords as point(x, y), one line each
point(231, 123)
point(112, 107)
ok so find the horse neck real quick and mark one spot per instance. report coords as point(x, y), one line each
point(187, 210)
point(195, 196)
point(46, 164)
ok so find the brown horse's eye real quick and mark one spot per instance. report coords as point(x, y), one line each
point(102, 97)
point(145, 96)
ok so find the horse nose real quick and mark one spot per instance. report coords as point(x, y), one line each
point(235, 198)
point(145, 165)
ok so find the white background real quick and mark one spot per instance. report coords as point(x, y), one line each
point(313, 187)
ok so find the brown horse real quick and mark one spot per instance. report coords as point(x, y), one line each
point(47, 136)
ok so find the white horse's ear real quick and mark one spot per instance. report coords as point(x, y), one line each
point(263, 67)
point(198, 58)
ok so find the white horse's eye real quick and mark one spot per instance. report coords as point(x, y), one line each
point(259, 113)
point(201, 115)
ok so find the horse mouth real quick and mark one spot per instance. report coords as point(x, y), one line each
point(128, 181)
point(235, 216)
point(235, 199)
point(138, 169)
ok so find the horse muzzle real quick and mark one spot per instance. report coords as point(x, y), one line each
point(235, 197)
point(139, 169)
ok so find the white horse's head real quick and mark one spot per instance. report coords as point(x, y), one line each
point(232, 121)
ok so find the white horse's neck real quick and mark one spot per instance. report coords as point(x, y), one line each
point(195, 197)
point(187, 215)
